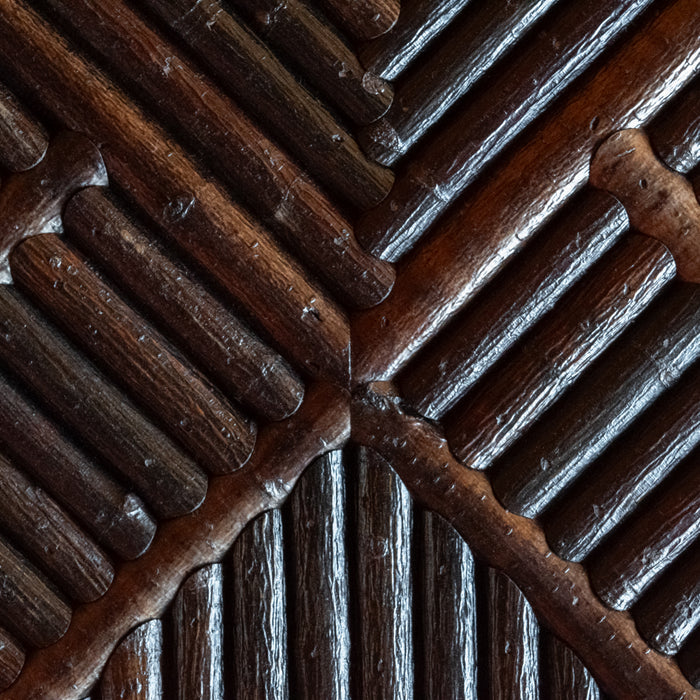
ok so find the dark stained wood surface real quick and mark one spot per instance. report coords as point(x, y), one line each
point(366, 19)
point(11, 659)
point(23, 141)
point(689, 658)
point(565, 677)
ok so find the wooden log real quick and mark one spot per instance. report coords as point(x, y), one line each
point(563, 676)
point(564, 250)
point(513, 641)
point(134, 670)
point(198, 624)
point(244, 367)
point(475, 242)
point(259, 611)
point(559, 592)
point(624, 382)
point(481, 36)
point(139, 358)
point(659, 202)
point(365, 19)
point(143, 589)
point(555, 354)
point(449, 605)
point(32, 202)
point(192, 211)
point(636, 463)
point(418, 25)
point(11, 659)
point(248, 70)
point(214, 126)
point(665, 525)
point(29, 608)
point(322, 56)
point(689, 658)
point(384, 515)
point(319, 635)
point(100, 415)
point(23, 140)
point(668, 614)
point(116, 518)
point(32, 518)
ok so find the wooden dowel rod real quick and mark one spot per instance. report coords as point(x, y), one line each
point(248, 70)
point(29, 607)
point(244, 367)
point(116, 518)
point(185, 405)
point(99, 414)
point(198, 623)
point(192, 211)
point(418, 25)
point(11, 659)
point(321, 55)
point(474, 243)
point(634, 372)
point(476, 41)
point(134, 671)
point(45, 532)
point(253, 167)
point(23, 140)
point(365, 19)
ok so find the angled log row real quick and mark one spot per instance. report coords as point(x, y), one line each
point(23, 140)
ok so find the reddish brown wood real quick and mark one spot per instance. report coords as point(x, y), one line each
point(253, 167)
point(142, 589)
point(495, 221)
point(192, 211)
point(23, 140)
point(366, 19)
point(46, 533)
point(271, 94)
point(116, 518)
point(29, 608)
point(199, 635)
point(244, 367)
point(96, 411)
point(134, 670)
point(32, 202)
point(659, 202)
point(182, 401)
point(11, 659)
point(323, 57)
point(559, 592)
point(554, 355)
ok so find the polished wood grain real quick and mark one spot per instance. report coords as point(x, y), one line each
point(143, 589)
point(134, 670)
point(199, 635)
point(11, 659)
point(451, 653)
point(466, 51)
point(418, 24)
point(243, 366)
point(383, 580)
point(30, 608)
point(318, 526)
point(513, 648)
point(636, 371)
point(23, 140)
point(563, 675)
point(659, 202)
point(321, 55)
point(190, 210)
point(472, 244)
point(47, 534)
point(32, 202)
point(643, 457)
point(559, 592)
point(366, 19)
point(248, 70)
point(104, 419)
point(255, 169)
point(116, 518)
point(554, 355)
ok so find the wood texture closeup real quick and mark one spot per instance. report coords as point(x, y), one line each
point(23, 141)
